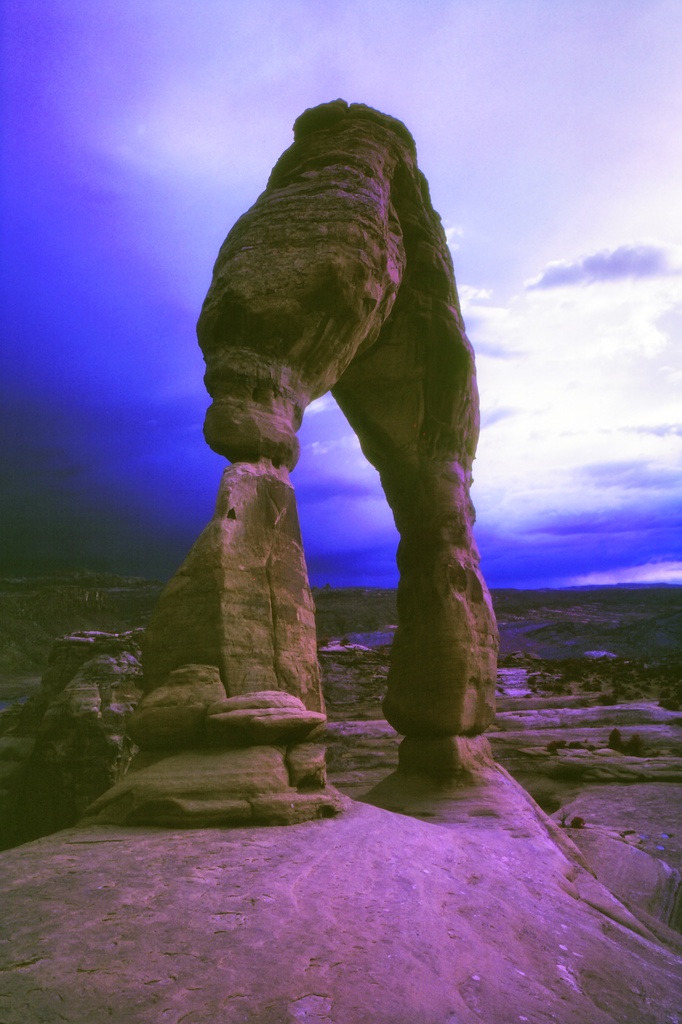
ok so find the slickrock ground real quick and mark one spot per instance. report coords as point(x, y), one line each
point(378, 916)
point(482, 914)
point(556, 745)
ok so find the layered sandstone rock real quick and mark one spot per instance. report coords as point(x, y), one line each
point(68, 744)
point(339, 277)
point(241, 600)
point(304, 280)
point(232, 677)
point(204, 788)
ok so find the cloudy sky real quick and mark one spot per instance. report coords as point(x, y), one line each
point(135, 132)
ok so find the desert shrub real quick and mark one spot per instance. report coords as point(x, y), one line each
point(634, 746)
point(576, 822)
point(615, 741)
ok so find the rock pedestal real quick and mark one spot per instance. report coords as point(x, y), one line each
point(241, 600)
point(338, 278)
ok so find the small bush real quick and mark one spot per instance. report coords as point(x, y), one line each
point(634, 746)
point(615, 741)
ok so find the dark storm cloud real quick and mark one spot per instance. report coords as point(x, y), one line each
point(100, 485)
point(554, 552)
point(627, 261)
point(135, 136)
point(373, 566)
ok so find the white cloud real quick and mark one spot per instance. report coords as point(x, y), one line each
point(468, 296)
point(324, 404)
point(628, 261)
point(348, 442)
point(591, 375)
point(453, 233)
point(653, 572)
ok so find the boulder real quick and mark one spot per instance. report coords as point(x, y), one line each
point(207, 788)
point(256, 700)
point(306, 764)
point(262, 725)
point(265, 717)
point(173, 715)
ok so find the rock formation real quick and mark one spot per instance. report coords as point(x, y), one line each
point(68, 744)
point(339, 277)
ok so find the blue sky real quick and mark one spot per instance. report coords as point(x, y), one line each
point(135, 132)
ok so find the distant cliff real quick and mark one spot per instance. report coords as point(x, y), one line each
point(34, 611)
point(633, 622)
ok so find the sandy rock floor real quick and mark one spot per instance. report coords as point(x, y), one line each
point(481, 916)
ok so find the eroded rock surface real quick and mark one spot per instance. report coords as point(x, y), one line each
point(260, 784)
point(68, 743)
point(484, 913)
point(340, 278)
point(241, 600)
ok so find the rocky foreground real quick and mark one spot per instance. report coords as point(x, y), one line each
point(607, 771)
point(484, 913)
point(447, 903)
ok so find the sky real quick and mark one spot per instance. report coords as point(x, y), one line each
point(135, 132)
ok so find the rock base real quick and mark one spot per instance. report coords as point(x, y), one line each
point(370, 916)
point(260, 785)
point(445, 755)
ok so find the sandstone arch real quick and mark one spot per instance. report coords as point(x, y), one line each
point(338, 278)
